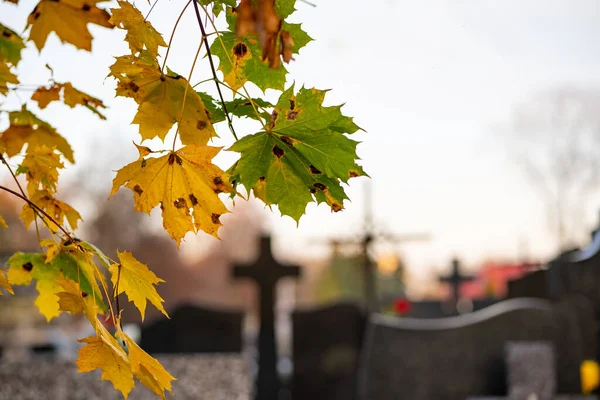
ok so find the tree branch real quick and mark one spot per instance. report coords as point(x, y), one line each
point(212, 67)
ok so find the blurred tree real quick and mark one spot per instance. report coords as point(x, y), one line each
point(558, 148)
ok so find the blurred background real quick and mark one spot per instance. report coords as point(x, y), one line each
point(482, 141)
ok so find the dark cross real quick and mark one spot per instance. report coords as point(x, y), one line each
point(266, 272)
point(455, 279)
point(368, 236)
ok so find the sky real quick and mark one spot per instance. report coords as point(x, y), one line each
point(431, 82)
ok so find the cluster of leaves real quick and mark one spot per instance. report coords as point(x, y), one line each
point(300, 154)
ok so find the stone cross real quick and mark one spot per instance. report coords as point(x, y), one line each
point(455, 279)
point(266, 272)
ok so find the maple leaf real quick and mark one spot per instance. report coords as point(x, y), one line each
point(75, 300)
point(57, 209)
point(26, 128)
point(6, 77)
point(240, 60)
point(160, 98)
point(137, 281)
point(296, 37)
point(40, 167)
point(285, 7)
point(11, 45)
point(147, 369)
point(179, 181)
point(25, 267)
point(217, 5)
point(100, 352)
point(239, 107)
point(12, 1)
point(68, 19)
point(304, 152)
point(4, 284)
point(45, 95)
point(71, 97)
point(140, 32)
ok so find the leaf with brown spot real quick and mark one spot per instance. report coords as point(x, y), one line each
point(60, 211)
point(160, 98)
point(41, 169)
point(240, 60)
point(180, 181)
point(304, 154)
point(140, 32)
point(11, 45)
point(26, 128)
point(68, 19)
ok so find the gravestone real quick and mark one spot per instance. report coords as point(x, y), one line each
point(266, 272)
point(457, 357)
point(194, 329)
point(531, 370)
point(326, 347)
point(199, 377)
point(456, 279)
point(533, 284)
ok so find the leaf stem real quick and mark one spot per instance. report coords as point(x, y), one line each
point(173, 34)
point(36, 207)
point(212, 66)
point(37, 228)
point(185, 94)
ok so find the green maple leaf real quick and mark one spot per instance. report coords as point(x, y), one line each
point(23, 267)
point(285, 7)
point(240, 60)
point(299, 37)
point(238, 107)
point(11, 45)
point(218, 5)
point(302, 153)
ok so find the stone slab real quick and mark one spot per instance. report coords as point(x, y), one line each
point(199, 377)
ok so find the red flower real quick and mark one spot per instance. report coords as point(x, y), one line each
point(401, 306)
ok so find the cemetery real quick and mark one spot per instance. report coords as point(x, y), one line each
point(528, 344)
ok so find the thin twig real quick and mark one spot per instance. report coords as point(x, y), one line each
point(185, 94)
point(36, 207)
point(231, 62)
point(173, 34)
point(37, 228)
point(151, 8)
point(212, 67)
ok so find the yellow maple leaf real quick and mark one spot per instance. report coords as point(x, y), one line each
point(68, 19)
point(26, 128)
point(74, 300)
point(71, 97)
point(137, 281)
point(100, 352)
point(160, 98)
point(4, 284)
point(45, 95)
point(179, 181)
point(3, 223)
point(41, 169)
point(6, 77)
point(57, 209)
point(47, 300)
point(140, 32)
point(147, 368)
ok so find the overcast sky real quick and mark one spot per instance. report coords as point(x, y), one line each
point(429, 81)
